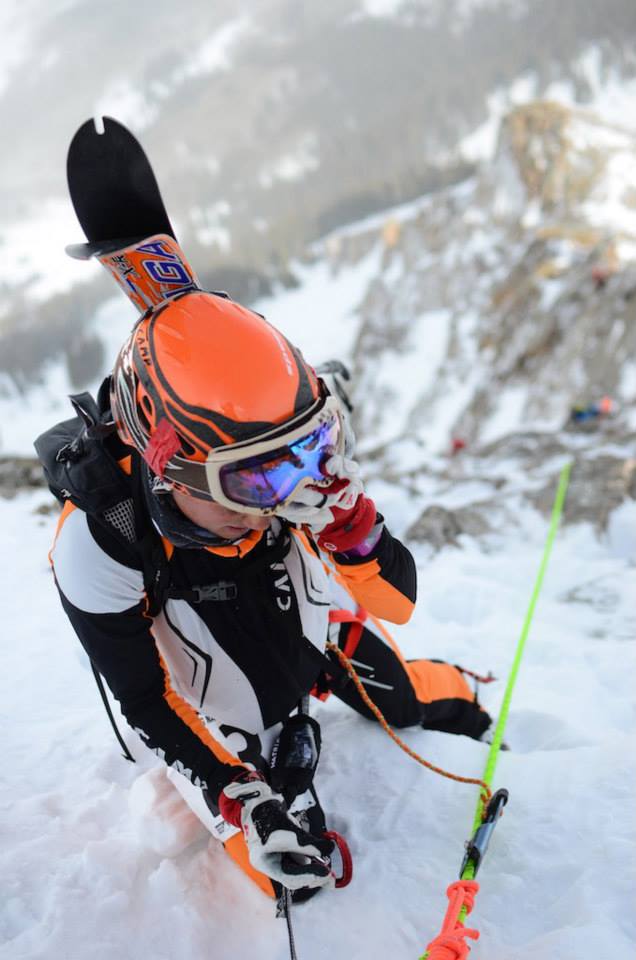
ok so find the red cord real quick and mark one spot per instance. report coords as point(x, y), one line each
point(476, 676)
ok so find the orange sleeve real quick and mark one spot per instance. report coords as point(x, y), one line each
point(385, 581)
point(374, 593)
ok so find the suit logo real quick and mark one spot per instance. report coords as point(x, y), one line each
point(282, 587)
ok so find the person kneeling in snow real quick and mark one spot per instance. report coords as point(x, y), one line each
point(234, 450)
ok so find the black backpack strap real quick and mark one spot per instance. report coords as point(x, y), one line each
point(100, 686)
point(219, 592)
point(149, 545)
point(156, 570)
point(86, 407)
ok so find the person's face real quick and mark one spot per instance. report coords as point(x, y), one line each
point(228, 524)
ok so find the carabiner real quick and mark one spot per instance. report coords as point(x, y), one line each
point(477, 846)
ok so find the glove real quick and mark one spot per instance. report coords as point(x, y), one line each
point(339, 515)
point(277, 845)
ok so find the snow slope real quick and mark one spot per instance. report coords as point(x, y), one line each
point(89, 871)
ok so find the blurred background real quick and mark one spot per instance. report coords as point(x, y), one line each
point(441, 193)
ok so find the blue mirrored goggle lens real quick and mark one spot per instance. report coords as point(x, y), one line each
point(268, 479)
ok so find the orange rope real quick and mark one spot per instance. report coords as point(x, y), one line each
point(346, 663)
point(450, 944)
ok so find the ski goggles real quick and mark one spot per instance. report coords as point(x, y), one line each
point(260, 476)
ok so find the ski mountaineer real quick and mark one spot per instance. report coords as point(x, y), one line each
point(238, 461)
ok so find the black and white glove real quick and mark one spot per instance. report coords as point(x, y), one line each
point(339, 516)
point(277, 845)
point(314, 505)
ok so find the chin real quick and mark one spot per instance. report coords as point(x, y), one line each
point(232, 533)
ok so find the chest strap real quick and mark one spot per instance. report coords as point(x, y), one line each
point(219, 591)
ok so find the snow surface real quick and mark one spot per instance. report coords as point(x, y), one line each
point(319, 315)
point(100, 858)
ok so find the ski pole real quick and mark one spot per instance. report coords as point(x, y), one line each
point(284, 910)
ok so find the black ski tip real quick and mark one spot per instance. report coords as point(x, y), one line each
point(85, 251)
point(79, 251)
point(112, 184)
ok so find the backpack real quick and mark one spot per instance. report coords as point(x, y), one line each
point(80, 460)
point(79, 463)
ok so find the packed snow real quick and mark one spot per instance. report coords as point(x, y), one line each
point(101, 858)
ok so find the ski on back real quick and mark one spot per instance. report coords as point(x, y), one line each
point(113, 186)
point(149, 269)
point(118, 204)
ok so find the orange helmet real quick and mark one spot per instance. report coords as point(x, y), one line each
point(202, 383)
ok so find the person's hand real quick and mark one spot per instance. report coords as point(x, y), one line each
point(339, 515)
point(277, 845)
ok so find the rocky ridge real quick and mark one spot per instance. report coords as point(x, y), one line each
point(514, 294)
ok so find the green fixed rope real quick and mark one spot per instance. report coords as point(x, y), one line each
point(495, 747)
point(493, 754)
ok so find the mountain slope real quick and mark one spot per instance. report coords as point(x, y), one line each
point(269, 126)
